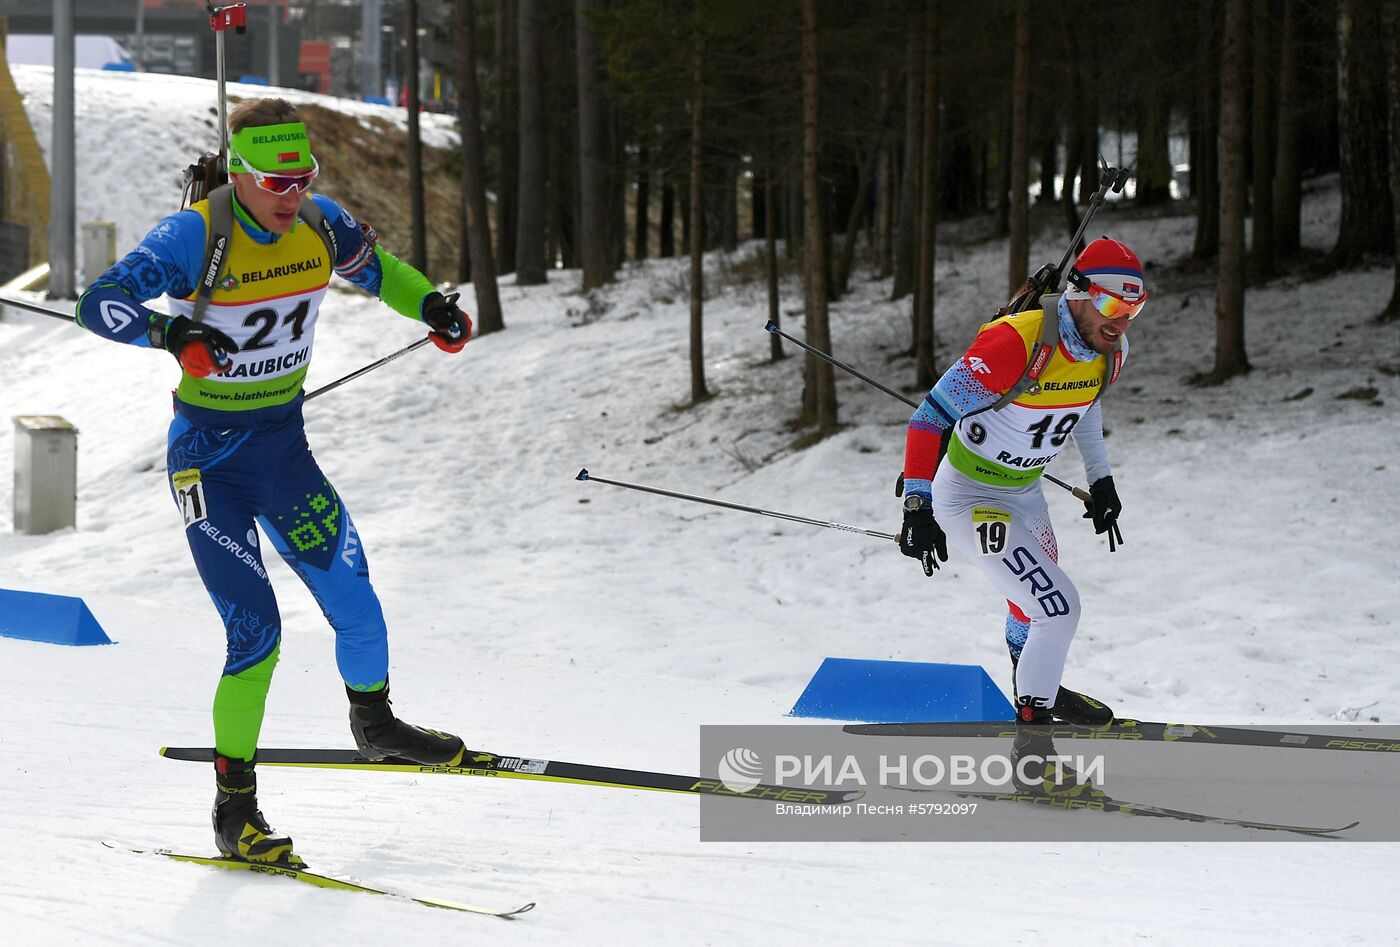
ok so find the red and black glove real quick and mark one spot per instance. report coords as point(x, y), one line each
point(452, 328)
point(201, 349)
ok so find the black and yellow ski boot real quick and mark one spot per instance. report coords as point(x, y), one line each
point(1081, 709)
point(1072, 706)
point(379, 734)
point(1035, 768)
point(240, 831)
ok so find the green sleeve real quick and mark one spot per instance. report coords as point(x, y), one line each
point(402, 287)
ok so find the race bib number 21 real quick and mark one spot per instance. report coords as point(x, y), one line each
point(189, 494)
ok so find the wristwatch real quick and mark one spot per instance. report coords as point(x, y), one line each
point(914, 502)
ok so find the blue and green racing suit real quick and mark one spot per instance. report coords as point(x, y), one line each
point(237, 452)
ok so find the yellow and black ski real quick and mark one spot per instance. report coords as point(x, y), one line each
point(1097, 801)
point(299, 873)
point(516, 767)
point(1362, 739)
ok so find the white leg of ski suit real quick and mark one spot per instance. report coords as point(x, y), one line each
point(1020, 559)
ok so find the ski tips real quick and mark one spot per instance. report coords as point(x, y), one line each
point(771, 326)
point(582, 474)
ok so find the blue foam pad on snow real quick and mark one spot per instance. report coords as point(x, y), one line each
point(901, 692)
point(57, 619)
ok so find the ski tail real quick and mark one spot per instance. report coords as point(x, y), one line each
point(316, 879)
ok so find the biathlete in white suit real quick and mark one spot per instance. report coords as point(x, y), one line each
point(978, 443)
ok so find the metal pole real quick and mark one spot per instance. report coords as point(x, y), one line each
point(371, 21)
point(417, 214)
point(274, 23)
point(220, 19)
point(140, 51)
point(62, 216)
point(223, 98)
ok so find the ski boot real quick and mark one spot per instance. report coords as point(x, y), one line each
point(240, 831)
point(1081, 709)
point(379, 734)
point(1072, 707)
point(1040, 774)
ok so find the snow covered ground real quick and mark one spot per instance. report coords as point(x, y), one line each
point(543, 617)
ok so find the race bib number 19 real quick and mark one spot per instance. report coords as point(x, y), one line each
point(189, 493)
point(991, 527)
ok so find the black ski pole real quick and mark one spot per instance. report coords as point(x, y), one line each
point(41, 310)
point(368, 368)
point(1079, 492)
point(585, 475)
point(45, 311)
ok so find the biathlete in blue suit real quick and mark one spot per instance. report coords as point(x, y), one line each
point(237, 449)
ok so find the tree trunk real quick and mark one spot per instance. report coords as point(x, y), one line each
point(1019, 258)
point(1074, 129)
point(1207, 128)
point(925, 370)
point(488, 301)
point(1089, 166)
point(684, 207)
point(1049, 145)
point(729, 209)
point(1390, 20)
point(1261, 258)
point(905, 252)
point(618, 182)
point(464, 232)
point(1003, 205)
point(507, 135)
point(883, 224)
point(1230, 359)
point(1288, 175)
point(531, 248)
point(1366, 224)
point(640, 236)
point(595, 217)
point(1153, 173)
point(417, 214)
point(668, 217)
point(820, 394)
point(698, 391)
point(770, 246)
point(846, 259)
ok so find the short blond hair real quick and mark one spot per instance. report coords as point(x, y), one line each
point(253, 113)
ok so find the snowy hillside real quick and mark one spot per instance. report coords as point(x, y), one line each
point(136, 132)
point(543, 617)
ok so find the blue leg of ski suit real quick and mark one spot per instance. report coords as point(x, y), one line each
point(266, 473)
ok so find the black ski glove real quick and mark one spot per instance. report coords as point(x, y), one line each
point(201, 349)
point(1103, 509)
point(452, 328)
point(922, 538)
